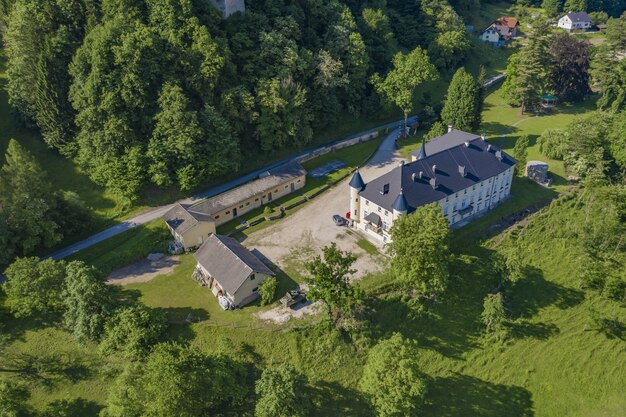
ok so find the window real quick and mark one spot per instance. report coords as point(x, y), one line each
point(379, 209)
point(385, 226)
point(276, 190)
point(228, 212)
point(248, 203)
point(473, 187)
point(465, 191)
point(287, 186)
point(356, 200)
point(386, 213)
point(298, 181)
point(217, 217)
point(367, 202)
point(256, 199)
point(365, 213)
point(263, 196)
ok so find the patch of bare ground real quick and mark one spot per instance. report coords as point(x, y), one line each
point(143, 271)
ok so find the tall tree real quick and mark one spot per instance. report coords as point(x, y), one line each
point(34, 286)
point(392, 378)
point(460, 107)
point(575, 5)
point(527, 70)
point(569, 72)
point(188, 146)
point(520, 150)
point(420, 251)
point(282, 391)
point(14, 399)
point(89, 302)
point(608, 67)
point(41, 39)
point(552, 7)
point(409, 72)
point(27, 204)
point(494, 314)
point(330, 280)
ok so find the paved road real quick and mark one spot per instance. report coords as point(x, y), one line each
point(157, 212)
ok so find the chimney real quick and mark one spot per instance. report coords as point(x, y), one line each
point(450, 128)
point(421, 175)
point(499, 155)
point(467, 143)
point(401, 162)
point(489, 148)
point(413, 177)
point(483, 136)
point(434, 169)
point(385, 189)
point(462, 170)
point(433, 183)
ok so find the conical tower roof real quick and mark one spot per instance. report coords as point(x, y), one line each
point(357, 181)
point(400, 204)
point(422, 154)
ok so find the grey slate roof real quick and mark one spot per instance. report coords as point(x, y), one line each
point(579, 17)
point(266, 182)
point(181, 220)
point(374, 219)
point(357, 181)
point(446, 141)
point(478, 162)
point(400, 204)
point(228, 262)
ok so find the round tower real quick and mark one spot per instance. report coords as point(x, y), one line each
point(400, 205)
point(356, 186)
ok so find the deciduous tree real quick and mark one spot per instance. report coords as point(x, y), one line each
point(34, 287)
point(329, 280)
point(420, 251)
point(520, 151)
point(267, 290)
point(282, 392)
point(494, 313)
point(409, 72)
point(14, 399)
point(569, 72)
point(392, 378)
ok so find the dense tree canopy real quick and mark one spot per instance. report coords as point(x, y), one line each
point(282, 392)
point(420, 250)
point(392, 378)
point(34, 287)
point(177, 381)
point(167, 93)
point(569, 75)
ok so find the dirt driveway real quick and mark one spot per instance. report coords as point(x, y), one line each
point(312, 227)
point(143, 271)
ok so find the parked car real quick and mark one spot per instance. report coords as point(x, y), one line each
point(339, 221)
point(292, 298)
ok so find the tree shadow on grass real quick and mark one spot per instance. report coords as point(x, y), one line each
point(333, 399)
point(532, 293)
point(462, 395)
point(526, 329)
point(77, 407)
point(180, 320)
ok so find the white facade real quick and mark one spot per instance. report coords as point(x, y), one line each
point(458, 208)
point(566, 23)
point(490, 35)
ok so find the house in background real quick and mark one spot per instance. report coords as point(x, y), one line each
point(191, 225)
point(230, 271)
point(500, 31)
point(575, 21)
point(461, 172)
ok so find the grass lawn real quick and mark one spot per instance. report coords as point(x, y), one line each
point(127, 247)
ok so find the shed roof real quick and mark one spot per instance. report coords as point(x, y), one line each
point(180, 220)
point(457, 167)
point(266, 182)
point(228, 262)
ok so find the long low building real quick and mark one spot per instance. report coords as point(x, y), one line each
point(191, 225)
point(461, 172)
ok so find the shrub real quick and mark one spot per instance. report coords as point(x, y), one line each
point(553, 143)
point(267, 290)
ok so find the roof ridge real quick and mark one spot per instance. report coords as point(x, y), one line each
point(219, 239)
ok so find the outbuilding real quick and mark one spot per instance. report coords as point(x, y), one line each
point(230, 271)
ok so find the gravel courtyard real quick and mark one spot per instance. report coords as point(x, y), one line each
point(311, 227)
